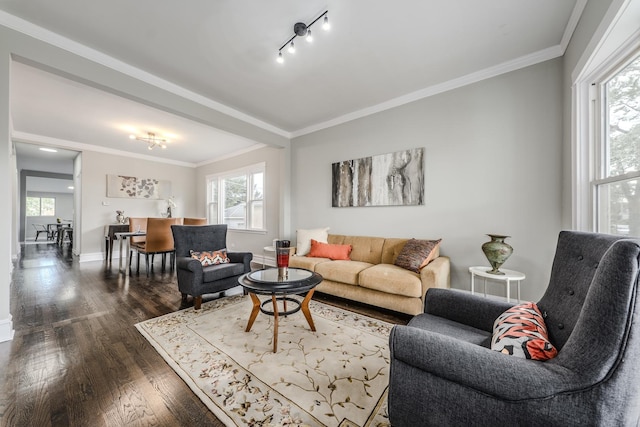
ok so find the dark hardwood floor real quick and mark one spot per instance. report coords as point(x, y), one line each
point(76, 358)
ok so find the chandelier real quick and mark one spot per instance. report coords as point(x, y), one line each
point(300, 29)
point(152, 140)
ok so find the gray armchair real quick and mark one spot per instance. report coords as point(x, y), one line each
point(443, 373)
point(193, 278)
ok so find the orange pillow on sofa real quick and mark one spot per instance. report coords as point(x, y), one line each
point(326, 250)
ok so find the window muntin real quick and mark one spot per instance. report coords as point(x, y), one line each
point(41, 206)
point(237, 198)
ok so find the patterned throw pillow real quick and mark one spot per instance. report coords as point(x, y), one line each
point(325, 250)
point(211, 257)
point(520, 331)
point(416, 254)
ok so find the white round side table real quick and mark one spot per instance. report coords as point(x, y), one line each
point(264, 254)
point(506, 278)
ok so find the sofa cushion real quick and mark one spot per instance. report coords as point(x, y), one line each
point(306, 262)
point(440, 325)
point(391, 249)
point(342, 271)
point(303, 239)
point(212, 273)
point(391, 279)
point(417, 253)
point(365, 249)
point(326, 250)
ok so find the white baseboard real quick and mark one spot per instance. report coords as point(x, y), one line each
point(96, 256)
point(6, 329)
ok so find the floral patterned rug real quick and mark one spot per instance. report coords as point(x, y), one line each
point(336, 376)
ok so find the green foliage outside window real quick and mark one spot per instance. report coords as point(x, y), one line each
point(619, 210)
point(41, 206)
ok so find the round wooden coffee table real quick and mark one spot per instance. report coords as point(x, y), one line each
point(281, 288)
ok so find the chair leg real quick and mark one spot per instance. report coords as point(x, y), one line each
point(138, 264)
point(197, 302)
point(184, 298)
point(147, 263)
point(164, 261)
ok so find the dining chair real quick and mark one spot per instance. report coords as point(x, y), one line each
point(136, 242)
point(65, 230)
point(159, 240)
point(194, 221)
point(40, 229)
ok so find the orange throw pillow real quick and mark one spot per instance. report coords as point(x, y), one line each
point(326, 250)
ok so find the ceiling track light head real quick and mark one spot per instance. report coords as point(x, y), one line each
point(300, 29)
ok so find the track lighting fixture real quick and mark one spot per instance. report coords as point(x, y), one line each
point(301, 29)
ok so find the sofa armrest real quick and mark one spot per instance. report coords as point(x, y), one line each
point(462, 307)
point(241, 258)
point(435, 274)
point(474, 367)
point(188, 263)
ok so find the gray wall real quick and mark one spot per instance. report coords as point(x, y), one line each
point(492, 165)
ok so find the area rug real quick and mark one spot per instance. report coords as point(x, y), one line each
point(336, 376)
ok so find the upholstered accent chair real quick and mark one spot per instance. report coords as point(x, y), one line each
point(195, 279)
point(444, 373)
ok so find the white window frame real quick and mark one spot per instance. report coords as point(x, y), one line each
point(218, 205)
point(590, 138)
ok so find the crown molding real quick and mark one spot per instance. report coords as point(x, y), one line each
point(232, 155)
point(572, 24)
point(505, 67)
point(54, 39)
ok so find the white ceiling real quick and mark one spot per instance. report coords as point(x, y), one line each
point(377, 54)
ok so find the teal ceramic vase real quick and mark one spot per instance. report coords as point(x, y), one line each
point(497, 252)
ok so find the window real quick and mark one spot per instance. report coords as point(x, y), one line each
point(41, 206)
point(237, 198)
point(616, 166)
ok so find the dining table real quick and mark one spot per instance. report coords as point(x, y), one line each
point(110, 231)
point(126, 236)
point(54, 228)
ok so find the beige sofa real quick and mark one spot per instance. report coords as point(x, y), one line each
point(372, 278)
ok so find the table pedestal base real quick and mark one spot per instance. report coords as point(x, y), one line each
point(259, 306)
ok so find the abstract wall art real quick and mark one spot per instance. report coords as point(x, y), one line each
point(394, 179)
point(137, 188)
